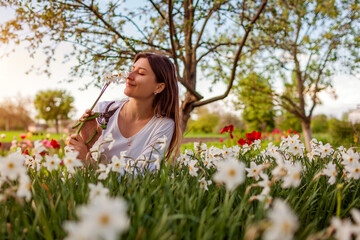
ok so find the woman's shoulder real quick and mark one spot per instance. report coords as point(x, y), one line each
point(101, 106)
point(164, 121)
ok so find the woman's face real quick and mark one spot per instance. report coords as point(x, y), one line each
point(141, 82)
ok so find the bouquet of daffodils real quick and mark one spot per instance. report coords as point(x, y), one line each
point(108, 78)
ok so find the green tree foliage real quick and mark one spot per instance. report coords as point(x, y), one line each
point(258, 108)
point(205, 122)
point(108, 34)
point(343, 133)
point(319, 124)
point(15, 113)
point(286, 121)
point(212, 118)
point(304, 43)
point(53, 105)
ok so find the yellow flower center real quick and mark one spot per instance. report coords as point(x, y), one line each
point(232, 172)
point(11, 165)
point(296, 176)
point(357, 170)
point(52, 163)
point(285, 227)
point(351, 159)
point(104, 219)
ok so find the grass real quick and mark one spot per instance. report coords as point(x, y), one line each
point(11, 135)
point(200, 135)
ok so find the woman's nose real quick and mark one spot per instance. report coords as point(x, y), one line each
point(131, 75)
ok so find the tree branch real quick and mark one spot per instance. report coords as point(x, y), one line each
point(96, 13)
point(236, 59)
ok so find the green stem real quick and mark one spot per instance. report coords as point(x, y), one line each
point(338, 207)
point(81, 124)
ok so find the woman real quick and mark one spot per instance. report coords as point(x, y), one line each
point(137, 123)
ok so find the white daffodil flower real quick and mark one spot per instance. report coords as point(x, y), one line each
point(204, 184)
point(350, 157)
point(343, 228)
point(330, 171)
point(97, 191)
point(326, 150)
point(231, 172)
point(52, 162)
point(353, 170)
point(192, 168)
point(12, 166)
point(104, 171)
point(254, 170)
point(24, 190)
point(293, 175)
point(103, 218)
point(284, 222)
point(117, 164)
point(71, 161)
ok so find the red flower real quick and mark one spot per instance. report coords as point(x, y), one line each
point(22, 136)
point(0, 144)
point(289, 131)
point(231, 128)
point(220, 140)
point(294, 132)
point(54, 144)
point(26, 152)
point(231, 136)
point(253, 136)
point(241, 141)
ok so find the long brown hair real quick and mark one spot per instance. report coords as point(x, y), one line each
point(166, 103)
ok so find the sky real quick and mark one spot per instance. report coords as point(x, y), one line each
point(15, 81)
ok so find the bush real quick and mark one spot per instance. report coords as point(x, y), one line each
point(342, 132)
point(319, 124)
point(205, 124)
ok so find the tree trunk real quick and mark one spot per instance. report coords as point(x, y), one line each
point(57, 126)
point(7, 125)
point(306, 129)
point(185, 110)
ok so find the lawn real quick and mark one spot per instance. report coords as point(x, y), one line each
point(8, 136)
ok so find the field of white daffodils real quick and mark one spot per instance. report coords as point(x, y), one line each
point(249, 191)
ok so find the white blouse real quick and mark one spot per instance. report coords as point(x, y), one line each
point(144, 143)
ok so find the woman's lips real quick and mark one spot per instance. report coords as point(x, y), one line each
point(129, 84)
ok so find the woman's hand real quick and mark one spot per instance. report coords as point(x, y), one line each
point(89, 128)
point(77, 142)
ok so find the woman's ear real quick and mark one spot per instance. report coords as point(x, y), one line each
point(160, 88)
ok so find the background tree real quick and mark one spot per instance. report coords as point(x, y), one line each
point(319, 124)
point(212, 118)
point(15, 113)
point(108, 35)
point(53, 105)
point(206, 121)
point(287, 121)
point(305, 43)
point(258, 108)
